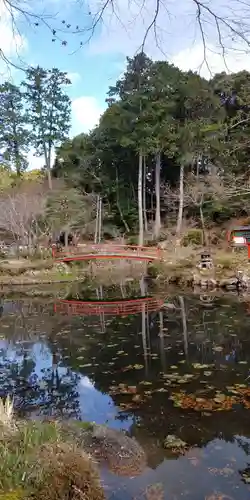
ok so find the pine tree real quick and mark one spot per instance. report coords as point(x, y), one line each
point(48, 111)
point(14, 135)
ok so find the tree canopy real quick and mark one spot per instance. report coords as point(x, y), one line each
point(163, 130)
point(172, 119)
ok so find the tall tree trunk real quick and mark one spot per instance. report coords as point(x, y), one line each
point(144, 194)
point(204, 234)
point(97, 219)
point(157, 228)
point(100, 221)
point(49, 177)
point(184, 325)
point(144, 316)
point(140, 204)
point(47, 164)
point(118, 203)
point(66, 239)
point(181, 203)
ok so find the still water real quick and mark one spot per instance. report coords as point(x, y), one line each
point(165, 365)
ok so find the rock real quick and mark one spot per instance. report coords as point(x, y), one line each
point(164, 245)
point(229, 283)
point(62, 268)
point(212, 283)
point(122, 454)
point(204, 283)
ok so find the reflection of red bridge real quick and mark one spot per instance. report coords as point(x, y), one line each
point(108, 308)
point(106, 251)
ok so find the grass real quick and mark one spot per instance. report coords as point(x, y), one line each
point(36, 464)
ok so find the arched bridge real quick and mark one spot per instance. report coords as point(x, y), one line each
point(108, 308)
point(108, 252)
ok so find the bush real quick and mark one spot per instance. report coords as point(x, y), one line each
point(193, 237)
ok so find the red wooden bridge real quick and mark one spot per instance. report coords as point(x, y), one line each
point(108, 308)
point(108, 252)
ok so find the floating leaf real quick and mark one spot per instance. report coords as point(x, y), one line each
point(199, 366)
point(172, 441)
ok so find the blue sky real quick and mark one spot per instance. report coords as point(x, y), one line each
point(100, 62)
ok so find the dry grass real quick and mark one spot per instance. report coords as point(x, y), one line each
point(66, 472)
point(36, 465)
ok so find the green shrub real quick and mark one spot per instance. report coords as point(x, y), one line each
point(193, 237)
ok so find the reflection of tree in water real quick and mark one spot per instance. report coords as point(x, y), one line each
point(48, 391)
point(189, 331)
point(185, 329)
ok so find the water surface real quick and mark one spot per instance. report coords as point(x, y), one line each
point(176, 365)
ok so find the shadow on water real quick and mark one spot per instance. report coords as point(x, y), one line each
point(151, 365)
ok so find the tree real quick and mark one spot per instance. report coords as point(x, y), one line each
point(172, 122)
point(14, 135)
point(48, 110)
point(68, 210)
point(21, 215)
point(159, 121)
point(133, 91)
point(228, 24)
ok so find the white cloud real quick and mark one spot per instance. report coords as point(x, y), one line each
point(125, 24)
point(86, 112)
point(193, 59)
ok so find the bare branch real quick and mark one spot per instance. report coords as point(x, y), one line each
point(226, 25)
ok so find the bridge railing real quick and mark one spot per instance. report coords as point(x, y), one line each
point(118, 308)
point(108, 249)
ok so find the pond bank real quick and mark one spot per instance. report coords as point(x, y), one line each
point(229, 270)
point(52, 459)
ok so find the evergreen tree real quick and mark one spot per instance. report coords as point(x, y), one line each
point(14, 135)
point(49, 110)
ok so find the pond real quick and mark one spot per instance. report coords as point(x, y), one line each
point(154, 365)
